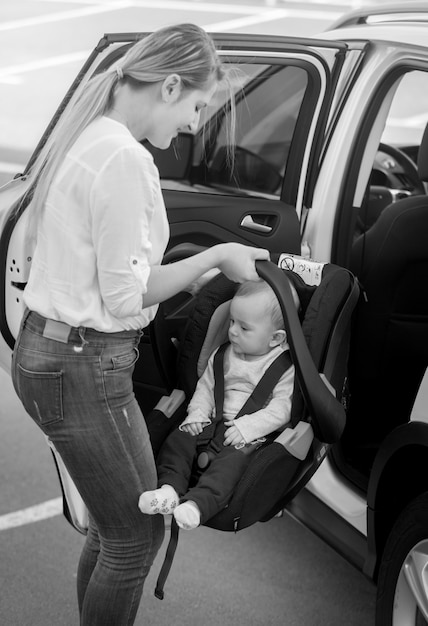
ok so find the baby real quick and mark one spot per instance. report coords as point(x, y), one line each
point(257, 337)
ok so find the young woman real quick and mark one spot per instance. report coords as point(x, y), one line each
point(96, 279)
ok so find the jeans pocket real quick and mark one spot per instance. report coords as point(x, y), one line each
point(123, 361)
point(41, 394)
point(117, 372)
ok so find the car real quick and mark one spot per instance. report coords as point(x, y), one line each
point(331, 163)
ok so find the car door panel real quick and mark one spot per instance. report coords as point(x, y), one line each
point(207, 220)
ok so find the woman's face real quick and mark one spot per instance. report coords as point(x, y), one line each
point(179, 110)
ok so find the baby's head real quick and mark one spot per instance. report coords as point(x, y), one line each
point(256, 321)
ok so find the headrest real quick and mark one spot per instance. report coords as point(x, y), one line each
point(423, 157)
point(216, 334)
point(298, 270)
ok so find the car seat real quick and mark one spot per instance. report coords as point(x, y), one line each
point(318, 341)
point(389, 350)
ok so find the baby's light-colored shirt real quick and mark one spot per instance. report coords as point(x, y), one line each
point(240, 379)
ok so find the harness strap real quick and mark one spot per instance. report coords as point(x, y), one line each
point(169, 556)
point(266, 384)
point(261, 391)
point(255, 402)
point(218, 365)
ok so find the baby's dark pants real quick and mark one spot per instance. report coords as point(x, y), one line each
point(216, 484)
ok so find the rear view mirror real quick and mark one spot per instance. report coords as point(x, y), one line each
point(175, 162)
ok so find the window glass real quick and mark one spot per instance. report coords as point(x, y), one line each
point(408, 115)
point(268, 100)
point(394, 175)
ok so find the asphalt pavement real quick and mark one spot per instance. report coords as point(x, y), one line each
point(271, 574)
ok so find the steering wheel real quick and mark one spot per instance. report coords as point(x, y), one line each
point(391, 188)
point(409, 167)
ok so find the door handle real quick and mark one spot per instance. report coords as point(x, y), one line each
point(249, 223)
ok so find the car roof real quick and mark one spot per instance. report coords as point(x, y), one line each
point(405, 23)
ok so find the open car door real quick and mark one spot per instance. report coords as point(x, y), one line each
point(284, 98)
point(284, 93)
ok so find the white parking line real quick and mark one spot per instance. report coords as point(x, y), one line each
point(202, 5)
point(32, 514)
point(93, 7)
point(61, 16)
point(11, 168)
point(271, 16)
point(176, 5)
point(11, 74)
point(250, 15)
point(340, 3)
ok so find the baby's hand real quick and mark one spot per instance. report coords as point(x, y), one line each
point(232, 436)
point(193, 428)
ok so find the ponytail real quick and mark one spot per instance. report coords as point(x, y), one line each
point(185, 49)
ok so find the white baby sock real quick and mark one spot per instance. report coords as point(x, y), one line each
point(162, 500)
point(187, 515)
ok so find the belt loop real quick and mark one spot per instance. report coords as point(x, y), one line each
point(25, 316)
point(82, 337)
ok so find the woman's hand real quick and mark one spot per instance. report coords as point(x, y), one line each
point(237, 261)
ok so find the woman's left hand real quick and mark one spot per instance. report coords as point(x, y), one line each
point(238, 261)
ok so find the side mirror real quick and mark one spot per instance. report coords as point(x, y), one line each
point(175, 162)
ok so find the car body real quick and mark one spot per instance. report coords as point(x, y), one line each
point(329, 130)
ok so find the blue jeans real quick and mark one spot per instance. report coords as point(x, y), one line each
point(79, 391)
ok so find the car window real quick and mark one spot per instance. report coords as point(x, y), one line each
point(394, 174)
point(268, 103)
point(408, 114)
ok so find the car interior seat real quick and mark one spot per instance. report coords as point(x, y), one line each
point(389, 348)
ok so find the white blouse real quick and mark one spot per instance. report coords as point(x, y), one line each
point(104, 225)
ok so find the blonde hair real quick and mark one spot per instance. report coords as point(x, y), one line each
point(252, 287)
point(184, 49)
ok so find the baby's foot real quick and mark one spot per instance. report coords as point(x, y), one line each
point(162, 500)
point(187, 515)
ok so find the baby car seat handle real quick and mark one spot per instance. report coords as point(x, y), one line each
point(327, 413)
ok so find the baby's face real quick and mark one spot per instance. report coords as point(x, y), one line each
point(251, 330)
